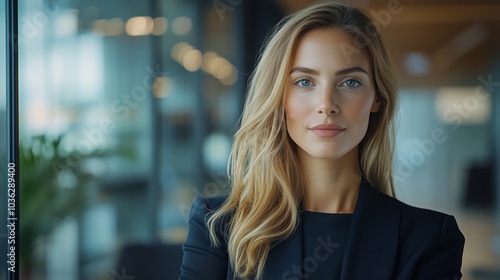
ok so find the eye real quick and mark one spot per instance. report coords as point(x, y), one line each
point(303, 82)
point(352, 83)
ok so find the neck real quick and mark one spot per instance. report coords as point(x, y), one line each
point(330, 186)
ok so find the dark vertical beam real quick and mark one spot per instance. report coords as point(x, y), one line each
point(238, 35)
point(200, 121)
point(495, 95)
point(156, 115)
point(13, 220)
point(259, 17)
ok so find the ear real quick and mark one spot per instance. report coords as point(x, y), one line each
point(376, 105)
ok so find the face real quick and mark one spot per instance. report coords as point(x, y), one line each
point(329, 95)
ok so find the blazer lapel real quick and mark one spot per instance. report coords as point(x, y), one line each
point(372, 245)
point(285, 259)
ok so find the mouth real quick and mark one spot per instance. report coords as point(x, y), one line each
point(327, 130)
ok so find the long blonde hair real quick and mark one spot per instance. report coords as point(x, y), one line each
point(267, 187)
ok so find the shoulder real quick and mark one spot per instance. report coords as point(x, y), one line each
point(206, 205)
point(421, 228)
point(198, 248)
point(201, 209)
point(410, 215)
point(420, 220)
point(430, 243)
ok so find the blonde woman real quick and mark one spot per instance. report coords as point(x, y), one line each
point(312, 192)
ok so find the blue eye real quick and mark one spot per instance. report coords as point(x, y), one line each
point(303, 82)
point(352, 83)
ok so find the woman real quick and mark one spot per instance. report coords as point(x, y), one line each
point(310, 168)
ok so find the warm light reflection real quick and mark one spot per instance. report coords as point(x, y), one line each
point(99, 26)
point(182, 25)
point(219, 68)
point(160, 26)
point(207, 59)
point(111, 27)
point(215, 64)
point(224, 71)
point(192, 60)
point(114, 27)
point(179, 50)
point(38, 117)
point(139, 26)
point(42, 118)
point(162, 87)
point(136, 26)
point(231, 78)
point(463, 105)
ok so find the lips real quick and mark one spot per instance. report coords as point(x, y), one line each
point(327, 130)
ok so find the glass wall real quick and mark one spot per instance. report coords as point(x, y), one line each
point(3, 144)
point(127, 111)
point(126, 114)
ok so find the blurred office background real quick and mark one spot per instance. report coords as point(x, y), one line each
point(127, 110)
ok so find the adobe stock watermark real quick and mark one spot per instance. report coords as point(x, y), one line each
point(463, 110)
point(223, 6)
point(425, 148)
point(120, 107)
point(321, 253)
point(455, 115)
point(121, 276)
point(219, 186)
point(30, 27)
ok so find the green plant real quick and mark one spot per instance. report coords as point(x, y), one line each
point(46, 195)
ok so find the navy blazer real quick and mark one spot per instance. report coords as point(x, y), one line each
point(388, 240)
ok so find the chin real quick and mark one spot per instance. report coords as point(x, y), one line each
point(326, 154)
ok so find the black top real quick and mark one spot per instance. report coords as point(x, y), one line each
point(324, 239)
point(388, 240)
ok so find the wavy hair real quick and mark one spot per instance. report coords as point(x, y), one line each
point(267, 186)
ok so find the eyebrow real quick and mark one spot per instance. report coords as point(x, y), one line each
point(339, 72)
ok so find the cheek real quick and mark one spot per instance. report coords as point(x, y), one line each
point(359, 109)
point(295, 108)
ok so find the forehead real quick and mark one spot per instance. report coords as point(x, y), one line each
point(331, 48)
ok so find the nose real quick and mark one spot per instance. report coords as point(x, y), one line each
point(326, 104)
